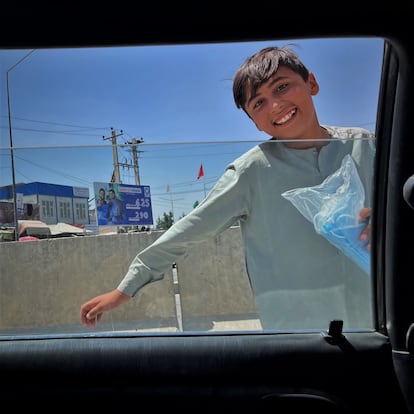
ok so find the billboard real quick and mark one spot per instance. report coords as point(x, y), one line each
point(122, 204)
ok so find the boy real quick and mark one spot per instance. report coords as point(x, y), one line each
point(297, 277)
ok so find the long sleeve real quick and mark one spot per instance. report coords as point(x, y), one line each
point(223, 206)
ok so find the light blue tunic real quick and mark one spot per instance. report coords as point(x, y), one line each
point(299, 280)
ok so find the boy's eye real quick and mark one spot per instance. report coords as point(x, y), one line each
point(258, 103)
point(281, 87)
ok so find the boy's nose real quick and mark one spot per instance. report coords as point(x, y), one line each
point(275, 103)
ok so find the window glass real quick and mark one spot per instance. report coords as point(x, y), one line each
point(103, 149)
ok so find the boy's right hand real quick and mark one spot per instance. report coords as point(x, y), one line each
point(365, 215)
point(91, 312)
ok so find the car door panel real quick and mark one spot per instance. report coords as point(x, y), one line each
point(265, 371)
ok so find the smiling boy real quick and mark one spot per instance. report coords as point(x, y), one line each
point(298, 279)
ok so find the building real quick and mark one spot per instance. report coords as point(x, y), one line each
point(49, 203)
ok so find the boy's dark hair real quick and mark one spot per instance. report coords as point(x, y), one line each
point(260, 67)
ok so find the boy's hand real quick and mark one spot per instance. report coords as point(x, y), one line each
point(91, 312)
point(364, 215)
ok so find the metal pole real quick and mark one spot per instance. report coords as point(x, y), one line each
point(16, 220)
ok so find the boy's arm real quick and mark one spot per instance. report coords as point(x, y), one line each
point(223, 206)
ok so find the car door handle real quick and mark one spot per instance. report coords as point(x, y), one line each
point(410, 339)
point(408, 191)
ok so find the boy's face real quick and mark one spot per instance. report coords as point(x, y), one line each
point(283, 106)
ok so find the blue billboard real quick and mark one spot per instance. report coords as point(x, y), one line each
point(122, 204)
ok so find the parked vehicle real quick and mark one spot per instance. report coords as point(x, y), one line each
point(193, 341)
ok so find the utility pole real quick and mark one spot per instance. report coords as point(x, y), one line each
point(134, 144)
point(116, 177)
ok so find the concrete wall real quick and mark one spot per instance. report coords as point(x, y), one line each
point(43, 283)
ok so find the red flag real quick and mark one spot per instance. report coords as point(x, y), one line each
point(200, 172)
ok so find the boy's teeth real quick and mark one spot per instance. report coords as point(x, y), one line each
point(285, 118)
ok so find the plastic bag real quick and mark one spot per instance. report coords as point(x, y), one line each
point(333, 207)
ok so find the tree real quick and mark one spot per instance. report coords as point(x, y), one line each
point(166, 222)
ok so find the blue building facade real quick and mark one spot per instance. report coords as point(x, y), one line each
point(50, 203)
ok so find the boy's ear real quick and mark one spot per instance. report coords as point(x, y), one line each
point(313, 84)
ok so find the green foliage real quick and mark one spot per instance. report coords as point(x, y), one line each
point(166, 222)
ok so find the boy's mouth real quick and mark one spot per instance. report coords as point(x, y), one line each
point(287, 117)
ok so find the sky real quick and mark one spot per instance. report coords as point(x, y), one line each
point(176, 98)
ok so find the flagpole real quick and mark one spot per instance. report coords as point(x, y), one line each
point(201, 175)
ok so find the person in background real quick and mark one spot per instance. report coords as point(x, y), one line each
point(297, 276)
point(102, 207)
point(114, 213)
